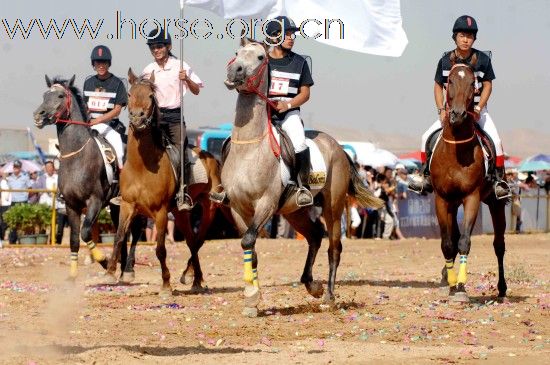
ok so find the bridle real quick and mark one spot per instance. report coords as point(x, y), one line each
point(253, 84)
point(149, 120)
point(66, 109)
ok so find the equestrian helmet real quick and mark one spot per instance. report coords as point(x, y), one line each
point(465, 24)
point(101, 53)
point(274, 25)
point(159, 36)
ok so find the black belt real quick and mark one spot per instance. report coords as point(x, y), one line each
point(168, 110)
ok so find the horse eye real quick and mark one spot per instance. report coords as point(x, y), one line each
point(261, 57)
point(61, 96)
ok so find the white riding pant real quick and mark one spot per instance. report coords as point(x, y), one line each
point(485, 122)
point(292, 125)
point(114, 139)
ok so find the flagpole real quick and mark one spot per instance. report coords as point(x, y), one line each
point(182, 141)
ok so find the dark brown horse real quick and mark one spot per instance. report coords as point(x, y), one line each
point(458, 177)
point(148, 185)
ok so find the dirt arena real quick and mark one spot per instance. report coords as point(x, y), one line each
point(390, 308)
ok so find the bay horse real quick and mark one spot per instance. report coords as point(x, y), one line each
point(458, 177)
point(148, 185)
point(82, 180)
point(251, 179)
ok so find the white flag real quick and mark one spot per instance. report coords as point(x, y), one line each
point(369, 26)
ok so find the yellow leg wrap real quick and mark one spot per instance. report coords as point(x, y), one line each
point(451, 274)
point(97, 254)
point(462, 273)
point(248, 274)
point(73, 265)
point(255, 281)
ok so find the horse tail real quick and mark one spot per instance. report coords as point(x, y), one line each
point(357, 189)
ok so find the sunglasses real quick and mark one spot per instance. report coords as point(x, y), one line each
point(156, 46)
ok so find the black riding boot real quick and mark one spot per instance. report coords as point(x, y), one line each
point(502, 189)
point(421, 183)
point(302, 169)
point(183, 199)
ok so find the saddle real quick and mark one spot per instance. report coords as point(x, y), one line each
point(109, 156)
point(195, 171)
point(487, 145)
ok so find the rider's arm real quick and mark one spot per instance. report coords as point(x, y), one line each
point(439, 102)
point(301, 98)
point(485, 93)
point(110, 115)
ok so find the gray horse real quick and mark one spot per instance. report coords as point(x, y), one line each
point(251, 178)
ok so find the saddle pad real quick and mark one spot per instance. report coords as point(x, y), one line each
point(198, 172)
point(318, 174)
point(486, 154)
point(108, 166)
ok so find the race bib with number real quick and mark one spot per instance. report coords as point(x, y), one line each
point(98, 104)
point(279, 86)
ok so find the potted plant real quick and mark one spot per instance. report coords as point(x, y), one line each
point(22, 218)
point(43, 220)
point(106, 226)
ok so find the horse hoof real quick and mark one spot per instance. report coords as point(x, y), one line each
point(251, 296)
point(197, 289)
point(460, 297)
point(110, 279)
point(315, 289)
point(250, 312)
point(165, 293)
point(187, 277)
point(103, 263)
point(128, 277)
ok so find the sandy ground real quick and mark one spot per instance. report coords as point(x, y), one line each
point(390, 308)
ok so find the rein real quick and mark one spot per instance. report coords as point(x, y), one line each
point(67, 109)
point(447, 98)
point(251, 88)
point(461, 141)
point(71, 154)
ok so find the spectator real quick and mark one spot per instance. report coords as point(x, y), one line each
point(5, 199)
point(36, 183)
point(515, 185)
point(49, 181)
point(18, 180)
point(386, 212)
point(400, 194)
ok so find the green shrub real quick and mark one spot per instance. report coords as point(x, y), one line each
point(28, 218)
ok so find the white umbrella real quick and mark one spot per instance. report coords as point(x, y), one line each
point(26, 165)
point(378, 158)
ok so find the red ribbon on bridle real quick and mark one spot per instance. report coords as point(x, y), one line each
point(67, 109)
point(253, 84)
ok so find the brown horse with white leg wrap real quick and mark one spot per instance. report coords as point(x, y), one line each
point(458, 177)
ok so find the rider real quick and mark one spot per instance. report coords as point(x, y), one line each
point(290, 81)
point(105, 96)
point(464, 36)
point(168, 78)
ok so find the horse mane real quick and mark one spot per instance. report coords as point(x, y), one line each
point(156, 132)
point(76, 93)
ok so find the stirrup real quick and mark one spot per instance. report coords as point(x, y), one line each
point(504, 186)
point(116, 200)
point(184, 200)
point(219, 198)
point(303, 191)
point(420, 188)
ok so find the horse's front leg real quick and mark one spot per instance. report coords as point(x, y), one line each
point(127, 212)
point(446, 215)
point(471, 208)
point(74, 223)
point(136, 227)
point(93, 208)
point(161, 220)
point(264, 210)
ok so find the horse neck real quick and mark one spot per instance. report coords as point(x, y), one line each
point(144, 146)
point(459, 133)
point(72, 136)
point(251, 114)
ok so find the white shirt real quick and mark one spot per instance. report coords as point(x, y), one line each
point(6, 196)
point(51, 184)
point(167, 81)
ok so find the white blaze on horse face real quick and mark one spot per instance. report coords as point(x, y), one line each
point(55, 87)
point(462, 74)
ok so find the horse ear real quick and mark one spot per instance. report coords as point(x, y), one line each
point(152, 77)
point(473, 61)
point(71, 81)
point(131, 76)
point(244, 41)
point(48, 81)
point(452, 57)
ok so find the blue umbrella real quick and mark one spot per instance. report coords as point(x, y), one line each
point(535, 163)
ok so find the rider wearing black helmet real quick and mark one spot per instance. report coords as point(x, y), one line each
point(464, 35)
point(105, 96)
point(168, 77)
point(290, 81)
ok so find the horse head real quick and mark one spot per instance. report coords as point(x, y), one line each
point(461, 87)
point(56, 102)
point(245, 71)
point(141, 101)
